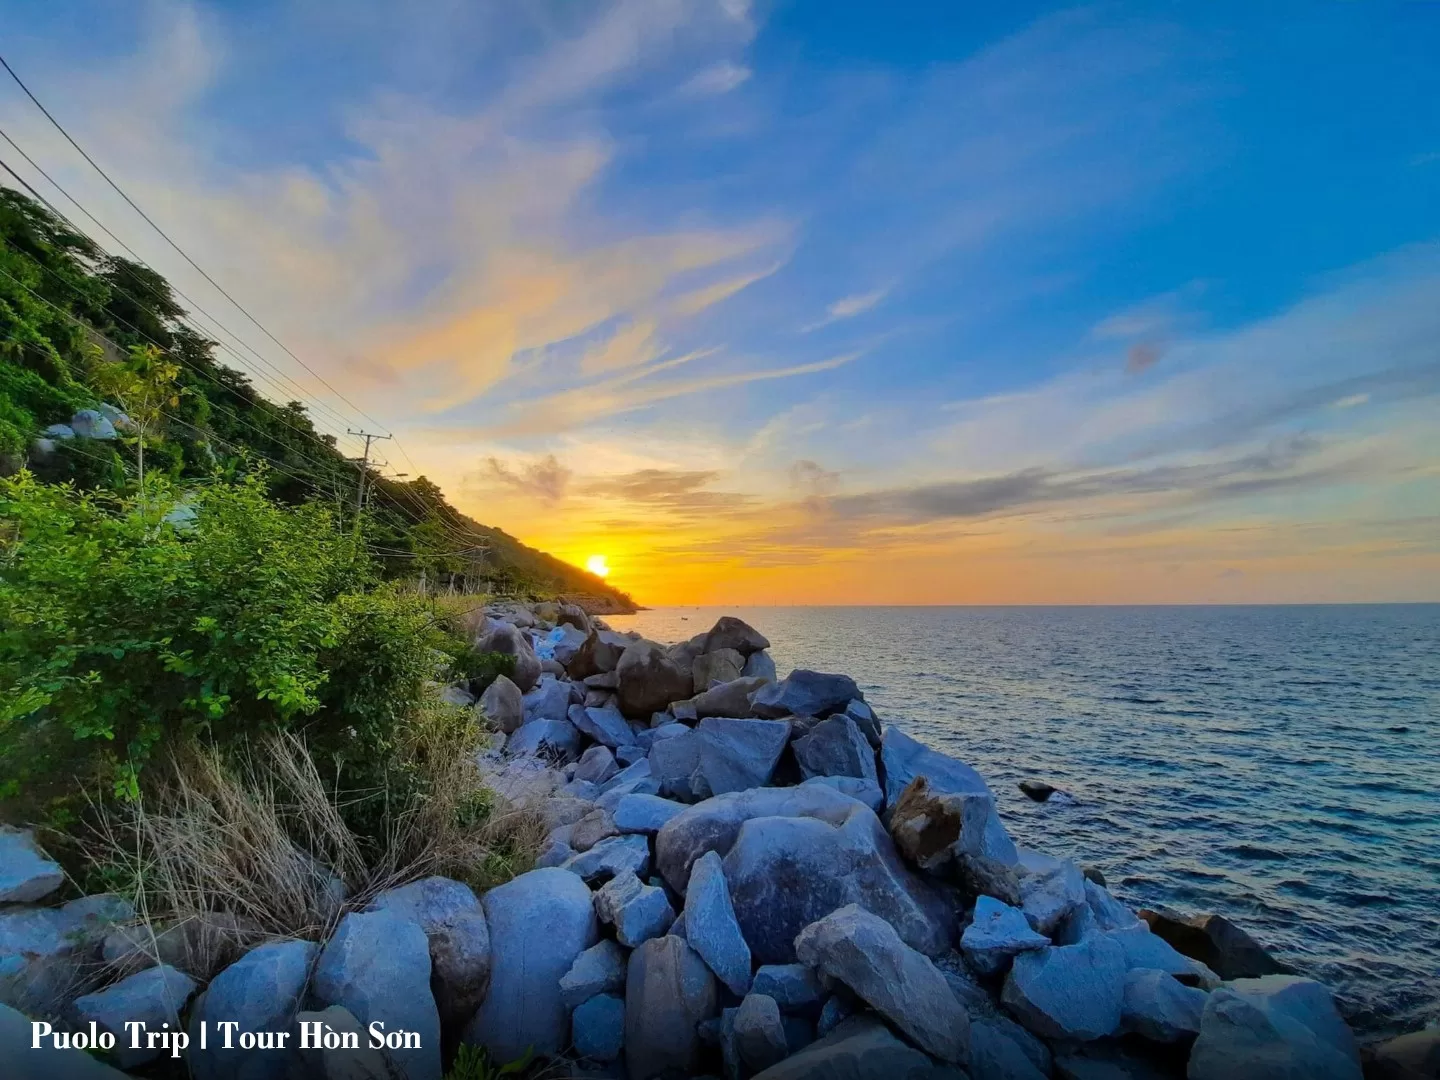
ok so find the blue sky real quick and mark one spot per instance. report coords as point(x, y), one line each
point(823, 301)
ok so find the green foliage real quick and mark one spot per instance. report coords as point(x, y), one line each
point(473, 1063)
point(119, 630)
point(479, 668)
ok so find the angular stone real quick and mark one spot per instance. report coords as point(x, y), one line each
point(954, 834)
point(503, 704)
point(759, 1032)
point(550, 738)
point(1109, 913)
point(599, 654)
point(359, 1062)
point(605, 726)
point(1159, 1007)
point(866, 720)
point(1005, 1051)
point(903, 759)
point(862, 950)
point(1277, 1027)
point(860, 1048)
point(736, 755)
point(454, 924)
point(649, 680)
point(501, 637)
point(644, 813)
point(714, 824)
point(596, 765)
point(759, 665)
point(606, 680)
point(720, 666)
point(673, 763)
point(591, 829)
point(1108, 1060)
point(1412, 1056)
point(723, 699)
point(997, 934)
point(155, 997)
point(835, 747)
point(711, 927)
point(1052, 893)
point(805, 693)
point(600, 969)
point(638, 911)
point(192, 945)
point(1216, 942)
point(1073, 992)
point(668, 991)
point(550, 700)
point(26, 874)
point(865, 791)
point(377, 965)
point(599, 1028)
point(1146, 950)
point(45, 953)
point(554, 853)
point(540, 923)
point(261, 992)
point(610, 857)
point(732, 633)
point(19, 1061)
point(793, 986)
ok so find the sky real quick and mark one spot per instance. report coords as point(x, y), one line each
point(819, 301)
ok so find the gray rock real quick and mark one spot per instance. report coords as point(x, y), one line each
point(720, 666)
point(1216, 942)
point(1146, 950)
point(628, 755)
point(358, 1062)
point(606, 680)
point(903, 759)
point(863, 951)
point(63, 432)
point(759, 1032)
point(1107, 1060)
point(154, 997)
point(598, 699)
point(92, 424)
point(600, 969)
point(649, 680)
point(805, 693)
point(668, 991)
point(610, 857)
point(759, 665)
point(786, 873)
point(1277, 1027)
point(866, 720)
point(591, 829)
point(636, 771)
point(723, 699)
point(599, 1028)
point(1072, 992)
point(996, 935)
point(711, 927)
point(736, 755)
point(1002, 1050)
point(554, 853)
point(1109, 913)
point(501, 637)
point(673, 763)
point(835, 747)
point(193, 945)
point(377, 965)
point(714, 824)
point(865, 791)
point(1159, 1007)
point(19, 1061)
point(457, 695)
point(833, 1012)
point(540, 923)
point(580, 789)
point(597, 765)
point(860, 1048)
point(599, 655)
point(1412, 1056)
point(1052, 893)
point(574, 615)
point(644, 813)
point(793, 986)
point(550, 738)
point(26, 874)
point(46, 953)
point(550, 700)
point(644, 785)
point(638, 911)
point(568, 643)
point(454, 924)
point(732, 633)
point(261, 992)
point(503, 703)
point(605, 726)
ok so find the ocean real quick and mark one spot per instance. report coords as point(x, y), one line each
point(1278, 765)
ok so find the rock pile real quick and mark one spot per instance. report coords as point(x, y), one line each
point(746, 877)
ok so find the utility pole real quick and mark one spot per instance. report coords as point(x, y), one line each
point(364, 465)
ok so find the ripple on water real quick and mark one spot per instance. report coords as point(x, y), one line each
point(1277, 765)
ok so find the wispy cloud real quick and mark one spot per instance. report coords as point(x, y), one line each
point(720, 79)
point(847, 307)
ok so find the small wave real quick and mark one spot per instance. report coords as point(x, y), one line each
point(1254, 851)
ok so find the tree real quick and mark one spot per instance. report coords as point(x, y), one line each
point(144, 385)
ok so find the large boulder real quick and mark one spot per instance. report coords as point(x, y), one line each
point(596, 765)
point(612, 856)
point(46, 953)
point(1161, 1008)
point(649, 680)
point(996, 935)
point(1073, 992)
point(598, 1028)
point(720, 666)
point(956, 834)
point(540, 923)
point(155, 997)
point(1216, 942)
point(759, 665)
point(544, 738)
point(1144, 950)
point(342, 1062)
point(600, 969)
point(637, 911)
point(805, 693)
point(902, 759)
point(835, 747)
point(862, 951)
point(605, 726)
point(865, 791)
point(20, 1061)
point(501, 637)
point(261, 992)
point(1413, 1056)
point(1277, 1027)
point(1002, 1050)
point(503, 704)
point(737, 755)
point(714, 824)
point(732, 633)
point(195, 944)
point(1051, 892)
point(711, 927)
point(549, 700)
point(26, 874)
point(786, 873)
point(377, 965)
point(725, 699)
point(637, 813)
point(599, 654)
point(759, 1032)
point(793, 986)
point(454, 924)
point(668, 991)
point(860, 1048)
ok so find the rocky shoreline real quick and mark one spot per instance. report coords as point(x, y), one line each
point(745, 876)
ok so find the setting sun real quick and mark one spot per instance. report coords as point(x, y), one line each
point(597, 565)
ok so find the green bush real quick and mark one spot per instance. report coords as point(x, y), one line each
point(120, 632)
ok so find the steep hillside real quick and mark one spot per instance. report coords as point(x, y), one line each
point(81, 329)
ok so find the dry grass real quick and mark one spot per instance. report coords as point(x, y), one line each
point(230, 849)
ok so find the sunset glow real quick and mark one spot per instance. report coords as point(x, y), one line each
point(597, 565)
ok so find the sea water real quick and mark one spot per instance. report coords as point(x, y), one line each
point(1278, 765)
